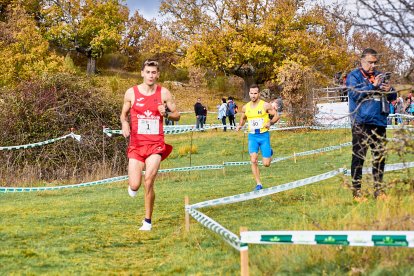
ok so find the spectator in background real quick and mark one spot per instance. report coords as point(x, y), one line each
point(231, 112)
point(279, 105)
point(410, 104)
point(167, 120)
point(399, 109)
point(222, 111)
point(367, 108)
point(390, 120)
point(199, 110)
point(205, 114)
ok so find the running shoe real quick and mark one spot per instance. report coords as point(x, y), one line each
point(131, 192)
point(258, 187)
point(145, 226)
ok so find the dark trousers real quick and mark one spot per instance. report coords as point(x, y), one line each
point(200, 121)
point(223, 120)
point(232, 121)
point(364, 136)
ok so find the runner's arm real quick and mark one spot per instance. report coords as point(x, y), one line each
point(124, 113)
point(173, 115)
point(271, 111)
point(243, 118)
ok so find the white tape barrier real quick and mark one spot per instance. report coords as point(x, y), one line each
point(43, 143)
point(54, 188)
point(387, 168)
point(209, 223)
point(401, 116)
point(304, 153)
point(105, 181)
point(291, 185)
point(347, 238)
point(268, 191)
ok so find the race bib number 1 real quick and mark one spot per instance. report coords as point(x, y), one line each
point(148, 126)
point(255, 124)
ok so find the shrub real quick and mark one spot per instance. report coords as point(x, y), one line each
point(187, 149)
point(48, 108)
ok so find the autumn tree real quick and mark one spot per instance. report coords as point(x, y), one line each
point(24, 53)
point(252, 38)
point(391, 54)
point(296, 81)
point(90, 27)
point(392, 20)
point(137, 29)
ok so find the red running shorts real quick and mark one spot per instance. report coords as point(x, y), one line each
point(141, 153)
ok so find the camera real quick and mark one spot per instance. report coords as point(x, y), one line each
point(386, 77)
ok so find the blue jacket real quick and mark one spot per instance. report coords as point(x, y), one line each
point(365, 107)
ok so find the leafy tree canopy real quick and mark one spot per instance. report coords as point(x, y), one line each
point(24, 53)
point(253, 38)
point(90, 27)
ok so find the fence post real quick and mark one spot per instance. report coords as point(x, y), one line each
point(187, 215)
point(244, 257)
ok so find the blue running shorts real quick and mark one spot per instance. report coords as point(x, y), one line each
point(262, 141)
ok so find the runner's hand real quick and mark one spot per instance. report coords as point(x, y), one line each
point(161, 109)
point(125, 129)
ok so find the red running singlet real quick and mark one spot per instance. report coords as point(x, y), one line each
point(146, 120)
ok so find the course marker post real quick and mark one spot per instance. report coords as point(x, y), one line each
point(191, 143)
point(187, 215)
point(103, 146)
point(294, 157)
point(244, 257)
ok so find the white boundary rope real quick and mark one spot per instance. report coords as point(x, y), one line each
point(267, 191)
point(352, 238)
point(39, 144)
point(214, 226)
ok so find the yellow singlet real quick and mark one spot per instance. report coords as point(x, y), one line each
point(257, 117)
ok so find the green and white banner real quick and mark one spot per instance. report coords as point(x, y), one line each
point(40, 144)
point(347, 238)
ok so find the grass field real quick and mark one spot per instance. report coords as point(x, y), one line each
point(95, 230)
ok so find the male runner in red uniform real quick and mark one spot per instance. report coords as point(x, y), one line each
point(146, 104)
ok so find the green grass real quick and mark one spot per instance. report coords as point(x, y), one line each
point(94, 230)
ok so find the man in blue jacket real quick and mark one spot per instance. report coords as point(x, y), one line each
point(368, 93)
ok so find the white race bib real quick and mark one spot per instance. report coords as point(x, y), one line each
point(148, 126)
point(255, 124)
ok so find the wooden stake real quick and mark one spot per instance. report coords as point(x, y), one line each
point(244, 258)
point(187, 215)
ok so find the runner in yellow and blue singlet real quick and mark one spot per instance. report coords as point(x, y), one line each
point(256, 113)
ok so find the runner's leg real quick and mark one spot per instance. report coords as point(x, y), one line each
point(255, 167)
point(135, 168)
point(152, 164)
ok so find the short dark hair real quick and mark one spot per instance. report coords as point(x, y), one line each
point(369, 51)
point(223, 100)
point(254, 86)
point(150, 62)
